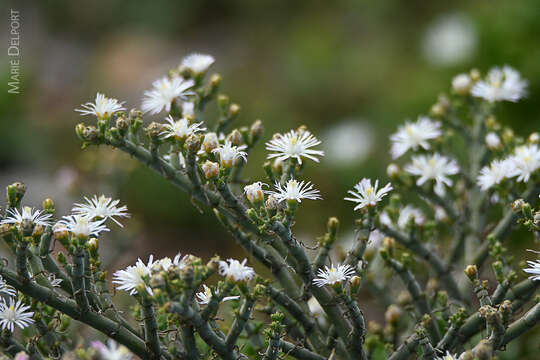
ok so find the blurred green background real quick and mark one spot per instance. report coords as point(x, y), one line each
point(350, 70)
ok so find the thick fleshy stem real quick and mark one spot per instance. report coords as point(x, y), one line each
point(298, 352)
point(523, 324)
point(358, 333)
point(79, 288)
point(150, 327)
point(240, 321)
point(49, 264)
point(407, 348)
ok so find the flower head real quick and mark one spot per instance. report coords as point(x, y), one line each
point(82, 225)
point(414, 135)
point(461, 84)
point(166, 263)
point(294, 144)
point(525, 161)
point(134, 276)
point(36, 217)
point(111, 351)
point(433, 167)
point(180, 129)
point(236, 270)
point(164, 92)
point(294, 190)
point(254, 192)
point(501, 84)
point(6, 289)
point(197, 63)
point(103, 107)
point(447, 356)
point(493, 174)
point(205, 296)
point(534, 269)
point(368, 195)
point(333, 274)
point(493, 141)
point(228, 153)
point(16, 313)
point(407, 213)
point(101, 207)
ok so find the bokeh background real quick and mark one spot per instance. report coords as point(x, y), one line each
point(350, 70)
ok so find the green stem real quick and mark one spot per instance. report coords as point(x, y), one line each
point(150, 328)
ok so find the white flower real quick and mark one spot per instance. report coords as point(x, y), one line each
point(447, 356)
point(6, 289)
point(103, 107)
point(295, 190)
point(333, 274)
point(111, 351)
point(367, 195)
point(525, 161)
point(82, 225)
point(101, 207)
point(180, 129)
point(433, 167)
point(534, 269)
point(408, 212)
point(37, 217)
point(198, 63)
point(205, 296)
point(53, 280)
point(166, 263)
point(461, 84)
point(493, 174)
point(14, 314)
point(254, 192)
point(294, 145)
point(228, 154)
point(414, 135)
point(236, 270)
point(134, 276)
point(164, 92)
point(501, 84)
point(493, 141)
point(210, 142)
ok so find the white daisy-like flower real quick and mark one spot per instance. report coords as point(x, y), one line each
point(255, 192)
point(6, 289)
point(101, 207)
point(407, 213)
point(53, 280)
point(166, 263)
point(493, 141)
point(111, 351)
point(236, 270)
point(16, 313)
point(333, 274)
point(525, 161)
point(198, 63)
point(294, 190)
point(447, 356)
point(164, 92)
point(295, 145)
point(205, 296)
point(366, 194)
point(497, 171)
point(414, 135)
point(134, 276)
point(315, 307)
point(229, 154)
point(82, 225)
point(534, 269)
point(37, 217)
point(103, 107)
point(433, 167)
point(188, 108)
point(180, 129)
point(501, 84)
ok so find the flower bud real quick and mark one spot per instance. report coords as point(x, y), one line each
point(518, 205)
point(534, 138)
point(60, 233)
point(48, 205)
point(210, 142)
point(93, 245)
point(475, 75)
point(508, 135)
point(471, 271)
point(15, 193)
point(122, 124)
point(333, 226)
point(215, 80)
point(392, 170)
point(210, 169)
point(493, 141)
point(437, 110)
point(234, 109)
point(154, 130)
point(461, 84)
point(193, 143)
point(355, 282)
point(256, 130)
point(37, 232)
point(223, 102)
point(393, 314)
point(254, 192)
point(235, 137)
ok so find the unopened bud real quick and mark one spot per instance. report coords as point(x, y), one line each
point(234, 109)
point(79, 130)
point(256, 130)
point(461, 84)
point(333, 226)
point(223, 102)
point(210, 169)
point(493, 141)
point(122, 124)
point(254, 192)
point(437, 110)
point(15, 193)
point(393, 314)
point(355, 284)
point(392, 170)
point(215, 80)
point(93, 245)
point(210, 142)
point(534, 138)
point(475, 75)
point(193, 143)
point(508, 135)
point(235, 137)
point(48, 205)
point(154, 130)
point(518, 205)
point(60, 233)
point(471, 271)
